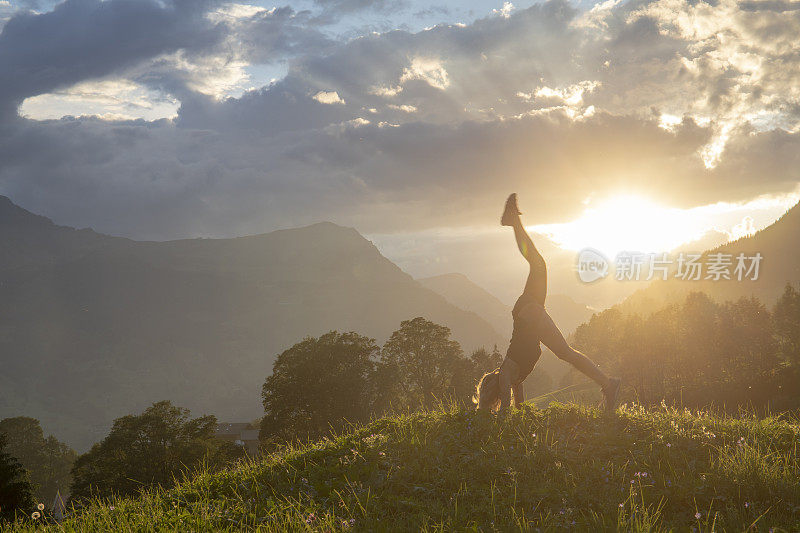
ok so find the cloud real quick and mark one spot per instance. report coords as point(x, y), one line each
point(85, 39)
point(404, 108)
point(504, 11)
point(347, 6)
point(328, 97)
point(429, 70)
point(686, 102)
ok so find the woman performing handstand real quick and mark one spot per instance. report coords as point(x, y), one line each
point(532, 325)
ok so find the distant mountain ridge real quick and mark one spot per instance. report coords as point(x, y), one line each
point(779, 265)
point(459, 290)
point(93, 327)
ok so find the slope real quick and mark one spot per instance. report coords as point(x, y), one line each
point(560, 468)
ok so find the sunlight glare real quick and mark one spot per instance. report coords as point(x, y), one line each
point(634, 223)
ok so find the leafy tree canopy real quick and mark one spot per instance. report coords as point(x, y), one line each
point(48, 460)
point(318, 384)
point(427, 364)
point(16, 492)
point(152, 448)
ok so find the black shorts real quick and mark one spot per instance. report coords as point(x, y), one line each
point(524, 348)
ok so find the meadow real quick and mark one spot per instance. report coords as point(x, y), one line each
point(565, 467)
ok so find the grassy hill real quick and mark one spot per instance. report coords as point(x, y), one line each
point(564, 467)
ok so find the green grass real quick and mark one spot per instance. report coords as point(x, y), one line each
point(564, 467)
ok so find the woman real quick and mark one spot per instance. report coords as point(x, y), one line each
point(532, 325)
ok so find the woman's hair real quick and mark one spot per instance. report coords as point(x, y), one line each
point(487, 393)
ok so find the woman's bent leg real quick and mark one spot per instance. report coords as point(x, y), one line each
point(551, 337)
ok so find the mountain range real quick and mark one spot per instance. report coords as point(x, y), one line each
point(93, 327)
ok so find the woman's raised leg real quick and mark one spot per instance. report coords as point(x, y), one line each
point(536, 286)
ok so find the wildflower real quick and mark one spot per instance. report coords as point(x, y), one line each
point(35, 515)
point(746, 505)
point(311, 518)
point(40, 507)
point(621, 505)
point(697, 515)
point(110, 507)
point(669, 445)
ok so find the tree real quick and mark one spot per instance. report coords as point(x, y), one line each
point(787, 324)
point(319, 384)
point(16, 491)
point(426, 362)
point(485, 361)
point(48, 460)
point(153, 448)
point(701, 352)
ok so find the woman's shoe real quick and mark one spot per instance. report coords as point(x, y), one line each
point(511, 212)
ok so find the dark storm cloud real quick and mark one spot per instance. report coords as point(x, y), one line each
point(84, 39)
point(346, 6)
point(494, 57)
point(268, 35)
point(209, 183)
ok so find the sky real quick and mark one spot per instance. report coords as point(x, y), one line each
point(621, 124)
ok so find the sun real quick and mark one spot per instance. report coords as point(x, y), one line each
point(626, 222)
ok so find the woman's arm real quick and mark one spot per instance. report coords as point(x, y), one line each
point(519, 394)
point(505, 389)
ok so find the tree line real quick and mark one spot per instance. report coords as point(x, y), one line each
point(701, 353)
point(323, 383)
